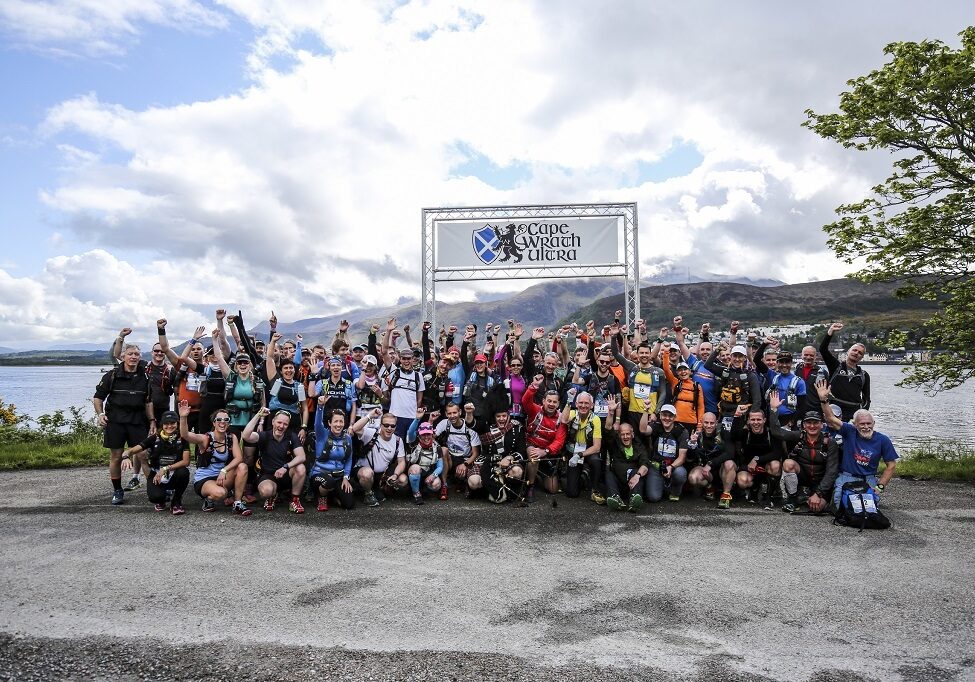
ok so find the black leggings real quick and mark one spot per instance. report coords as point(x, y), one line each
point(574, 474)
point(177, 483)
point(332, 486)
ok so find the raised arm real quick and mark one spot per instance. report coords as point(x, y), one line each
point(117, 344)
point(218, 353)
point(832, 421)
point(269, 365)
point(220, 314)
point(200, 439)
point(832, 364)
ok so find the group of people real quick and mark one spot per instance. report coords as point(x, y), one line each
point(615, 412)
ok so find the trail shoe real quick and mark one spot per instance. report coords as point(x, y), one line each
point(209, 505)
point(295, 505)
point(241, 508)
point(177, 510)
point(443, 493)
point(118, 497)
point(709, 495)
point(323, 504)
point(418, 498)
point(636, 502)
point(790, 504)
point(725, 501)
point(369, 499)
point(597, 498)
point(269, 504)
point(615, 503)
point(160, 506)
point(133, 484)
point(674, 498)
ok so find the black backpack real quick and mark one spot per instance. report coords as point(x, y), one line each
point(858, 508)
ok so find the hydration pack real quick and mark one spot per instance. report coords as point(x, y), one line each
point(858, 508)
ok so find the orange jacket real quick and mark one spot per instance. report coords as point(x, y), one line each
point(689, 399)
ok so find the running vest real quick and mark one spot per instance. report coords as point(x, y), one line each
point(572, 430)
point(644, 384)
point(211, 455)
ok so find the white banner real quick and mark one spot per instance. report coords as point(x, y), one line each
point(521, 242)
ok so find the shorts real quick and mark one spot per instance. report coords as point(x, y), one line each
point(472, 470)
point(283, 483)
point(117, 436)
point(198, 485)
point(327, 480)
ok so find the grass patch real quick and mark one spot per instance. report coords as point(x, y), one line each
point(938, 460)
point(46, 456)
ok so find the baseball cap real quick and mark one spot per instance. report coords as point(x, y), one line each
point(454, 349)
point(370, 360)
point(359, 347)
point(480, 357)
point(168, 416)
point(739, 350)
point(683, 365)
point(335, 360)
point(812, 416)
point(406, 353)
point(669, 409)
point(424, 428)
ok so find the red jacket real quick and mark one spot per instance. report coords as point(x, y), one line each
point(541, 430)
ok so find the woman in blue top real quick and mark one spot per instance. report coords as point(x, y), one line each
point(332, 467)
point(220, 467)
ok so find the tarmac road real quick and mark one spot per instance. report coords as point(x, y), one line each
point(464, 590)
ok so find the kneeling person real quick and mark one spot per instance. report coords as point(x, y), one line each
point(504, 456)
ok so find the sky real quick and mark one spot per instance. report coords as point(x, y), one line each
point(162, 158)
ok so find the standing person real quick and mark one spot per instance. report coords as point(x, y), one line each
point(647, 382)
point(286, 394)
point(849, 384)
point(738, 390)
point(169, 458)
point(188, 368)
point(404, 385)
point(863, 448)
point(280, 458)
point(128, 417)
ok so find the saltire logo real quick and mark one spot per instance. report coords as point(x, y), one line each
point(486, 244)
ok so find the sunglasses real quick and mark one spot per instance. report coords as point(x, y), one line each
point(389, 426)
point(222, 420)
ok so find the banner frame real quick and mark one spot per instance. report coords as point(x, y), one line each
point(628, 268)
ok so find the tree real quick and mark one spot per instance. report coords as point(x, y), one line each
point(916, 226)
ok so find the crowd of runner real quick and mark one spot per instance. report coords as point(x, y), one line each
point(618, 414)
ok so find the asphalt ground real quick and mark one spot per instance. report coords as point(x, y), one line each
point(466, 590)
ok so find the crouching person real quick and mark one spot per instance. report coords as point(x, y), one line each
point(280, 459)
point(812, 461)
point(382, 463)
point(504, 450)
point(628, 463)
point(423, 460)
point(583, 444)
point(220, 467)
point(332, 470)
point(168, 457)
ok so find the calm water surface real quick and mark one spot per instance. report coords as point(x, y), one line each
point(905, 415)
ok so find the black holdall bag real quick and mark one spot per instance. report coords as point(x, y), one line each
point(858, 508)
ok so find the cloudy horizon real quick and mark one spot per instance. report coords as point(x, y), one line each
point(167, 157)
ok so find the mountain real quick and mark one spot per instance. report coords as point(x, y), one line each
point(867, 306)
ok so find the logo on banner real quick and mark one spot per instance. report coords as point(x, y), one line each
point(486, 244)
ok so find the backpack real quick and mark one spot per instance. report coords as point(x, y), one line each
point(858, 508)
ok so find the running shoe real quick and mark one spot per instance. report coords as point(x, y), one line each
point(177, 510)
point(709, 495)
point(636, 502)
point(418, 498)
point(209, 505)
point(118, 497)
point(160, 506)
point(790, 504)
point(725, 501)
point(241, 508)
point(597, 498)
point(269, 504)
point(369, 499)
point(615, 503)
point(295, 505)
point(674, 498)
point(133, 484)
point(443, 492)
point(322, 504)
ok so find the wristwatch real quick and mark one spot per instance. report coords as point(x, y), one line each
point(881, 487)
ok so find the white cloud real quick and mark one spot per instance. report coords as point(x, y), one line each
point(96, 28)
point(302, 191)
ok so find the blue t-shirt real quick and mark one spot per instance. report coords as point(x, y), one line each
point(861, 456)
point(782, 382)
point(706, 380)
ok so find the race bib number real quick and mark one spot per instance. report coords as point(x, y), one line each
point(601, 408)
point(641, 391)
point(667, 448)
point(726, 423)
point(374, 421)
point(579, 448)
point(193, 382)
point(516, 409)
point(869, 504)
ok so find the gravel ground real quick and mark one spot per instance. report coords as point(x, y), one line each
point(464, 590)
